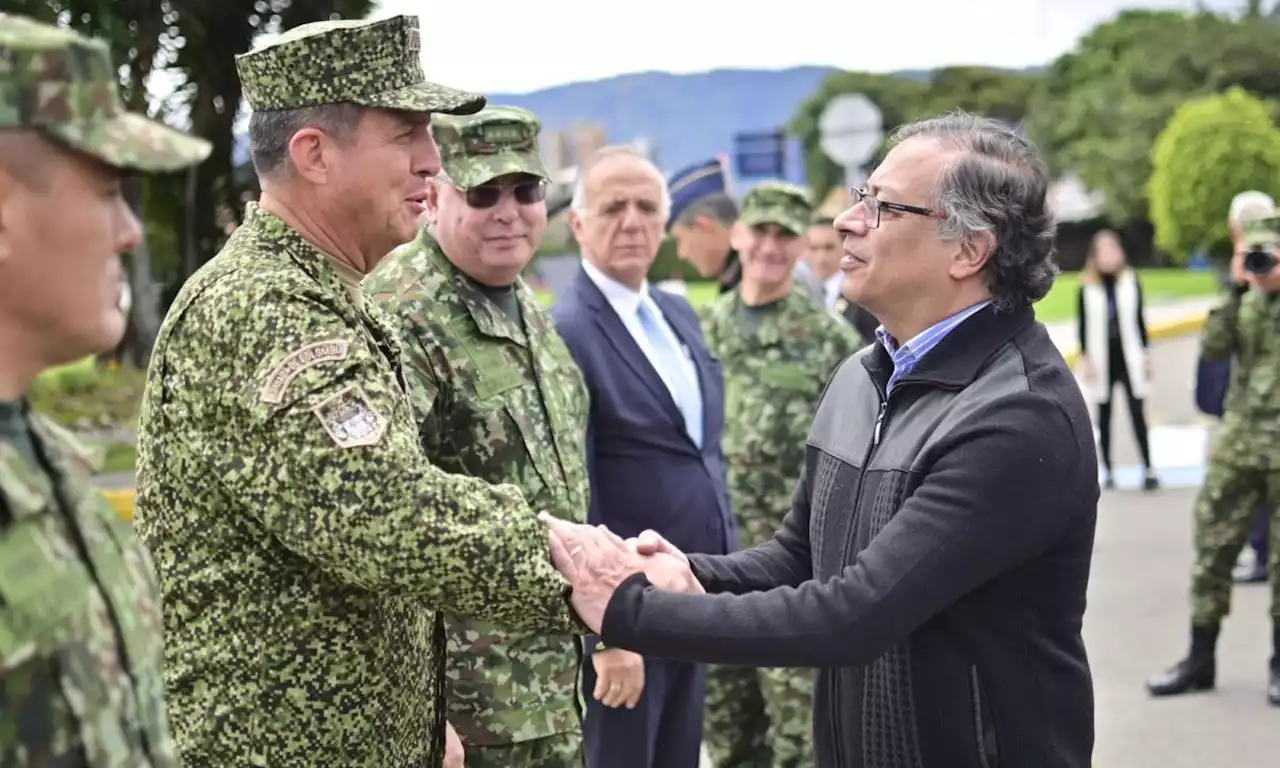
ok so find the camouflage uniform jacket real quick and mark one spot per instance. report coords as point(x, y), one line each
point(80, 646)
point(1247, 328)
point(504, 404)
point(301, 538)
point(772, 381)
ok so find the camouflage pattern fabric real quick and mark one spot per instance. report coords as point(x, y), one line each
point(369, 63)
point(505, 404)
point(301, 539)
point(64, 85)
point(773, 379)
point(80, 642)
point(1244, 468)
point(777, 202)
point(560, 751)
point(1225, 510)
point(1246, 329)
point(759, 718)
point(496, 141)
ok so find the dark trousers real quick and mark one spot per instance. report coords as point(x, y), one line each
point(663, 731)
point(1260, 534)
point(1118, 373)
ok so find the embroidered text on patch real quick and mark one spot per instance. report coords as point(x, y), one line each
point(350, 419)
point(297, 362)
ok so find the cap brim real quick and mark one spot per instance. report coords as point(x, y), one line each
point(134, 142)
point(469, 172)
point(428, 97)
point(774, 216)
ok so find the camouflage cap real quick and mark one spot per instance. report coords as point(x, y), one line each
point(777, 202)
point(63, 85)
point(368, 63)
point(493, 142)
point(1263, 231)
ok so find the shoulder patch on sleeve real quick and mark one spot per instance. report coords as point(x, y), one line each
point(350, 418)
point(298, 361)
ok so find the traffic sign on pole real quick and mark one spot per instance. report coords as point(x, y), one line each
point(851, 131)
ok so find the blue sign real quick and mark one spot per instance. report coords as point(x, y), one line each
point(760, 155)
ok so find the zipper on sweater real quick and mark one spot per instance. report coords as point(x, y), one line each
point(836, 728)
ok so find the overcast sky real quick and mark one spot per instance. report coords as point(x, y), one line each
point(523, 45)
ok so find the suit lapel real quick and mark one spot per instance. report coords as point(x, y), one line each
point(620, 338)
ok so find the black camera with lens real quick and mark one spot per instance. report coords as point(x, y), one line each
point(1259, 260)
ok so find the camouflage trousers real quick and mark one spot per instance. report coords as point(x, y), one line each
point(564, 750)
point(1225, 511)
point(759, 718)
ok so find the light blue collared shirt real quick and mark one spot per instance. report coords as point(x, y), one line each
point(906, 357)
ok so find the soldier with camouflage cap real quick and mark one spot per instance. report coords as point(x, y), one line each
point(80, 641)
point(1244, 468)
point(779, 347)
point(497, 397)
point(304, 543)
point(701, 223)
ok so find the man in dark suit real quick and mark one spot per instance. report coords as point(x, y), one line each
point(653, 439)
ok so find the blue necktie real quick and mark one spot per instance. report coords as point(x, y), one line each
point(688, 398)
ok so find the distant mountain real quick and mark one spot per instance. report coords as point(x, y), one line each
point(685, 118)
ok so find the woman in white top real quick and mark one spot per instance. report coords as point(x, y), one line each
point(1113, 343)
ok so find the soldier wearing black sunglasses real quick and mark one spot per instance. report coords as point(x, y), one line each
point(497, 397)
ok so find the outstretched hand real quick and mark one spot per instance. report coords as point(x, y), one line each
point(595, 561)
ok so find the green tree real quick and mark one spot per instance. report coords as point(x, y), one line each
point(982, 90)
point(1100, 107)
point(993, 93)
point(895, 96)
point(193, 46)
point(1213, 148)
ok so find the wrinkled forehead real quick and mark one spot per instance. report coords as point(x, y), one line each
point(911, 170)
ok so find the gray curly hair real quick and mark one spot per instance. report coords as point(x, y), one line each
point(998, 184)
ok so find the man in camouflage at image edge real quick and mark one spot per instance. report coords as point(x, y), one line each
point(301, 538)
point(498, 397)
point(1244, 470)
point(777, 360)
point(80, 642)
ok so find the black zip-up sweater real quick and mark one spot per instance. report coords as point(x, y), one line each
point(933, 566)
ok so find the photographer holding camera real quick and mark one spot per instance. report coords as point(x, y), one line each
point(1244, 470)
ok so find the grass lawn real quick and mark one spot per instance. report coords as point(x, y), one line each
point(1158, 285)
point(121, 457)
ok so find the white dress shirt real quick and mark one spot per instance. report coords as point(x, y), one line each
point(626, 304)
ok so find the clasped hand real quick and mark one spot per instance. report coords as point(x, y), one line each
point(595, 561)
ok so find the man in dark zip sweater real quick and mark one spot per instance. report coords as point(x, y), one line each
point(936, 557)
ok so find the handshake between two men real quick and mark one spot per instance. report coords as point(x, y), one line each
point(595, 561)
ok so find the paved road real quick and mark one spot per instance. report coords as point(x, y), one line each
point(1136, 623)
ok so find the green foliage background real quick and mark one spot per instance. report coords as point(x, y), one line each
point(1213, 147)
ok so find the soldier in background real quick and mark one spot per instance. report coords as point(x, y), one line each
point(702, 214)
point(80, 658)
point(497, 397)
point(304, 543)
point(779, 348)
point(1244, 470)
point(823, 251)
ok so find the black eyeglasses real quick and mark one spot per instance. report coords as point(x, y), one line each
point(487, 195)
point(874, 205)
